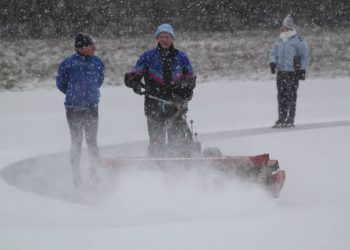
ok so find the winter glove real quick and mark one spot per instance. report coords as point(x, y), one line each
point(185, 84)
point(184, 87)
point(273, 68)
point(131, 80)
point(183, 95)
point(138, 89)
point(301, 74)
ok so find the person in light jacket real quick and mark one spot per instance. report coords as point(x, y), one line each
point(289, 58)
point(80, 77)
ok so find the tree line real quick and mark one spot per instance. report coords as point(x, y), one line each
point(34, 19)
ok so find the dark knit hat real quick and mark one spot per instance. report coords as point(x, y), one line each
point(83, 40)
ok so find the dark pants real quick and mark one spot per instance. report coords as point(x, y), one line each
point(164, 130)
point(287, 87)
point(83, 121)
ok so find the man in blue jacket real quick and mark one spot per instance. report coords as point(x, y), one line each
point(289, 57)
point(80, 77)
point(169, 78)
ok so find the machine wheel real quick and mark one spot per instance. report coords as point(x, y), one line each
point(211, 152)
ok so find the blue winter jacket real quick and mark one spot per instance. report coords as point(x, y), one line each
point(283, 53)
point(152, 60)
point(168, 76)
point(79, 78)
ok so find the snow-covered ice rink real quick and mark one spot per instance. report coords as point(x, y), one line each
point(40, 209)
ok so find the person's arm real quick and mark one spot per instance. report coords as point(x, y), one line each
point(102, 73)
point(187, 82)
point(273, 58)
point(302, 59)
point(304, 55)
point(133, 78)
point(61, 78)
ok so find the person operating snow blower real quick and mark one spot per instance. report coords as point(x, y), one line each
point(168, 86)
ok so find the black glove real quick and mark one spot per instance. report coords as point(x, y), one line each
point(184, 88)
point(184, 95)
point(138, 89)
point(131, 80)
point(187, 84)
point(273, 68)
point(184, 84)
point(301, 74)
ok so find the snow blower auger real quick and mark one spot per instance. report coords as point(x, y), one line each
point(187, 154)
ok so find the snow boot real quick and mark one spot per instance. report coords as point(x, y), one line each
point(288, 124)
point(279, 124)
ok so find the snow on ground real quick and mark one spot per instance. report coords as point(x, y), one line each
point(197, 210)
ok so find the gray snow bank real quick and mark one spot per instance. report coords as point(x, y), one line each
point(28, 64)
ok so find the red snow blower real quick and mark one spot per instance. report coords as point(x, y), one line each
point(187, 154)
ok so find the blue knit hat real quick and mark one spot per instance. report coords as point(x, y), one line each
point(165, 27)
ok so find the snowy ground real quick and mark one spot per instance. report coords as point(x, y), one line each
point(40, 209)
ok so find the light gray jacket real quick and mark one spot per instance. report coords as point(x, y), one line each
point(283, 52)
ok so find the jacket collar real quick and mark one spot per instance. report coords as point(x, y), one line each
point(171, 52)
point(82, 56)
point(286, 35)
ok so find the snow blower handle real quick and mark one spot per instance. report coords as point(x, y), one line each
point(138, 88)
point(179, 105)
